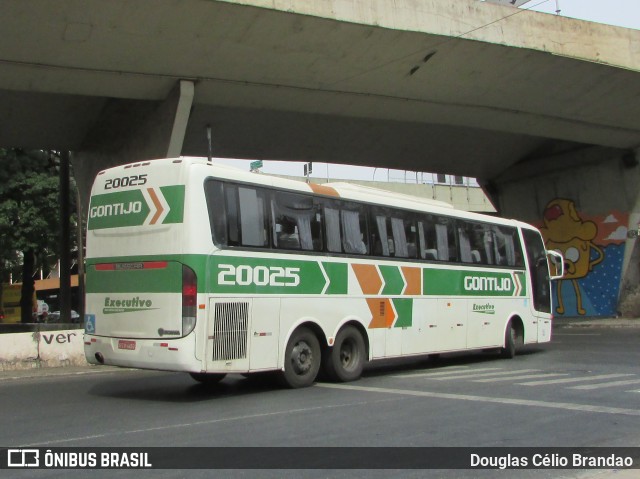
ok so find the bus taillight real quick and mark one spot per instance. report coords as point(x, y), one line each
point(189, 299)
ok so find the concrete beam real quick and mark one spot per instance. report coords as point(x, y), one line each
point(133, 130)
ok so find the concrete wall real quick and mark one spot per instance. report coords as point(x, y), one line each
point(587, 204)
point(42, 349)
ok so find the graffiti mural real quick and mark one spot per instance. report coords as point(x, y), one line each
point(593, 248)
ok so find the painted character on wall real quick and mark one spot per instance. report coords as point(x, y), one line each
point(566, 232)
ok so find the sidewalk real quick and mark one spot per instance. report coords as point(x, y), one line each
point(616, 323)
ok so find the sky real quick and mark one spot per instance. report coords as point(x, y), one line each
point(623, 13)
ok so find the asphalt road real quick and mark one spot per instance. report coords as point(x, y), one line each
point(581, 390)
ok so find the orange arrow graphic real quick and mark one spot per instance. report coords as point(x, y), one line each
point(157, 204)
point(382, 314)
point(413, 280)
point(368, 278)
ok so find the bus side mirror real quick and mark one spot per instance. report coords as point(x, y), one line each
point(556, 265)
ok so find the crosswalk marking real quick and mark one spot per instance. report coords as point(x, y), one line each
point(517, 378)
point(606, 385)
point(574, 380)
point(541, 378)
point(487, 399)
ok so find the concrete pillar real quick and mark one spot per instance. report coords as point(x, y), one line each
point(133, 130)
point(586, 202)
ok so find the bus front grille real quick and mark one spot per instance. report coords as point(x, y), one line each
point(230, 331)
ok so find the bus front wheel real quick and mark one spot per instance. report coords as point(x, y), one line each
point(302, 359)
point(509, 349)
point(345, 360)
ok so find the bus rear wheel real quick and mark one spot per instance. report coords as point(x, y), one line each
point(302, 359)
point(345, 360)
point(208, 378)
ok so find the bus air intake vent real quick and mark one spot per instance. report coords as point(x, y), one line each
point(230, 331)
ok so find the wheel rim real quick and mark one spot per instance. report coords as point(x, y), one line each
point(348, 354)
point(302, 358)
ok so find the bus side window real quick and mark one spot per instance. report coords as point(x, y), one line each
point(354, 230)
point(252, 216)
point(296, 222)
point(215, 206)
point(465, 243)
point(233, 215)
point(411, 233)
point(404, 237)
point(380, 235)
point(476, 242)
point(446, 237)
point(507, 246)
point(427, 234)
point(332, 229)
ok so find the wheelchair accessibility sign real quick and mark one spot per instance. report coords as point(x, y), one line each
point(90, 323)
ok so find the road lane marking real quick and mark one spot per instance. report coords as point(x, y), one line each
point(486, 399)
point(576, 334)
point(83, 439)
point(575, 380)
point(445, 373)
point(516, 378)
point(500, 373)
point(606, 385)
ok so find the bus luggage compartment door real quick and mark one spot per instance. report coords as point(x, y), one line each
point(239, 341)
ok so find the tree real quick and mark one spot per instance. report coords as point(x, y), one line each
point(29, 214)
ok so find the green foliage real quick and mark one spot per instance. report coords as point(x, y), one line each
point(29, 205)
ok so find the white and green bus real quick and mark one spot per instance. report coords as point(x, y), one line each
point(210, 270)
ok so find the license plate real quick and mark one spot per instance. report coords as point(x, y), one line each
point(124, 344)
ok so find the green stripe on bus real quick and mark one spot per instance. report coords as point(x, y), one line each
point(234, 275)
point(254, 275)
point(112, 210)
point(119, 209)
point(446, 282)
point(338, 277)
point(158, 280)
point(393, 280)
point(174, 195)
point(404, 309)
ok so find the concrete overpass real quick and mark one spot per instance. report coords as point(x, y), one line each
point(537, 107)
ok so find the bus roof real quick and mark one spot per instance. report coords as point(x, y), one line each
point(341, 190)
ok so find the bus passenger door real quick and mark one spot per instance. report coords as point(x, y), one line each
point(540, 293)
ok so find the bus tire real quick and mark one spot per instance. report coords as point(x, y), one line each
point(208, 378)
point(345, 360)
point(509, 349)
point(301, 359)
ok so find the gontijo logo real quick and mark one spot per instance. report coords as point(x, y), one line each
point(148, 206)
point(499, 284)
point(483, 283)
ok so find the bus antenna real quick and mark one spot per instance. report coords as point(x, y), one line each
point(209, 141)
